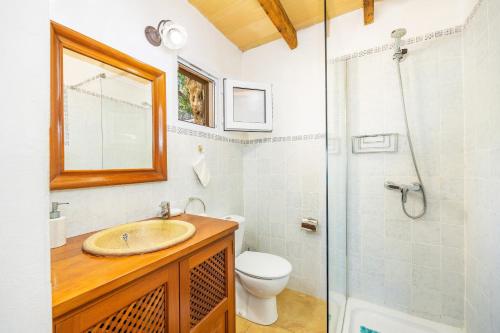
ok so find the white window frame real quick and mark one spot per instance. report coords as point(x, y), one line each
point(230, 124)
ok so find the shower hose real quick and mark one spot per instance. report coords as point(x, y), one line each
point(408, 134)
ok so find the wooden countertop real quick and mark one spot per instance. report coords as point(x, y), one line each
point(78, 277)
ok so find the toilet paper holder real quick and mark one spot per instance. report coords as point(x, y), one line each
point(309, 224)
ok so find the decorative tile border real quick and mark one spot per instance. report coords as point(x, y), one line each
point(408, 41)
point(289, 138)
point(217, 137)
point(202, 134)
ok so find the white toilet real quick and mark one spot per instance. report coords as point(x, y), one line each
point(259, 278)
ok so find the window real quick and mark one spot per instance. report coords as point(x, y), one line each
point(196, 90)
point(247, 106)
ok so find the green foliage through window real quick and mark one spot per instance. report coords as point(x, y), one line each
point(185, 110)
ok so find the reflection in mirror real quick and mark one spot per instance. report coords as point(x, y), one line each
point(249, 105)
point(107, 116)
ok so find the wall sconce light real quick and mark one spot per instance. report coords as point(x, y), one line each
point(172, 35)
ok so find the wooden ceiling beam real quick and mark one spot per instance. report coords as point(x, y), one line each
point(369, 11)
point(274, 9)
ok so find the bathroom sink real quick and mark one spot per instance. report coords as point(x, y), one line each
point(138, 237)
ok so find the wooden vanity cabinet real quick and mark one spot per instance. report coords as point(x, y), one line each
point(194, 294)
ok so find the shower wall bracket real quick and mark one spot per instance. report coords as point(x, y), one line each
point(375, 143)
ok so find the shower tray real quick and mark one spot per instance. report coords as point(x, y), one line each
point(380, 319)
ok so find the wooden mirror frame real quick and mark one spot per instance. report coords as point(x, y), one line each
point(63, 37)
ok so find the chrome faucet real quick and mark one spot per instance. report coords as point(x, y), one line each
point(165, 212)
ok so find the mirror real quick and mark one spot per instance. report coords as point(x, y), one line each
point(108, 115)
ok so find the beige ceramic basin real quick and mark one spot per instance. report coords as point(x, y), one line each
point(138, 237)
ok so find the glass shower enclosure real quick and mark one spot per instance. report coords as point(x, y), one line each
point(391, 252)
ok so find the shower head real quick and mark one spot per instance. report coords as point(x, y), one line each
point(398, 33)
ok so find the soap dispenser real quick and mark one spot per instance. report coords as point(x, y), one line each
point(57, 226)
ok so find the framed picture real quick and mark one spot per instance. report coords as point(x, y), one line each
point(196, 95)
point(248, 106)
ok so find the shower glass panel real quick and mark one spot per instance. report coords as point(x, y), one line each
point(337, 157)
point(395, 255)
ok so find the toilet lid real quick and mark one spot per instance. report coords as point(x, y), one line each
point(262, 265)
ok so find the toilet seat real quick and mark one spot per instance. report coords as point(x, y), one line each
point(262, 266)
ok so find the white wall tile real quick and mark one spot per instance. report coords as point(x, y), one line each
point(452, 259)
point(453, 307)
point(398, 270)
point(426, 255)
point(426, 277)
point(426, 233)
point(426, 302)
point(398, 229)
point(452, 235)
point(397, 250)
point(398, 294)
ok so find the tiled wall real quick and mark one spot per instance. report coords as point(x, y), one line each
point(413, 266)
point(97, 208)
point(284, 181)
point(482, 165)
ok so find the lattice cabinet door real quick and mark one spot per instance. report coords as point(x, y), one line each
point(207, 299)
point(147, 305)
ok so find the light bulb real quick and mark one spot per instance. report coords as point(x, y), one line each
point(173, 36)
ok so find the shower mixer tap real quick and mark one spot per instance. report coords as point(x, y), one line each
point(413, 187)
point(403, 188)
